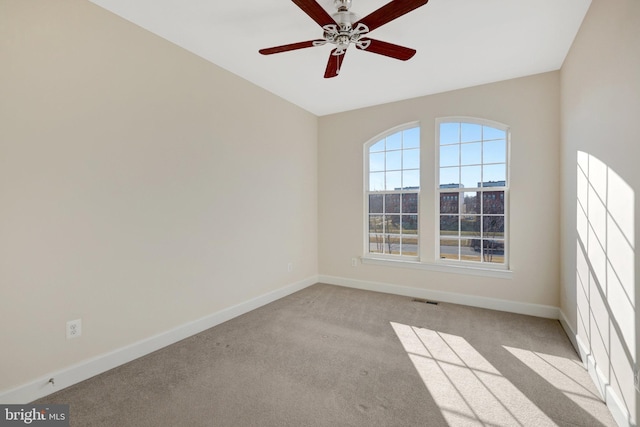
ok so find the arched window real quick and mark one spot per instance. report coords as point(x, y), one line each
point(473, 190)
point(392, 187)
point(470, 181)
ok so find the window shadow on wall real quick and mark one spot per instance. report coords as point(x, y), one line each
point(605, 278)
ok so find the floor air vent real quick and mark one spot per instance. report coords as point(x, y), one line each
point(424, 301)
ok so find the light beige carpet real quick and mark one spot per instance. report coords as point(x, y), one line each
point(333, 356)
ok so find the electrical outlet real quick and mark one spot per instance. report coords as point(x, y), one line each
point(354, 262)
point(74, 328)
point(290, 267)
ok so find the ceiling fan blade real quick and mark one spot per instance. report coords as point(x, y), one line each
point(387, 49)
point(389, 12)
point(292, 46)
point(315, 12)
point(334, 64)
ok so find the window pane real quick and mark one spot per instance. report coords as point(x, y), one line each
point(410, 224)
point(392, 203)
point(493, 251)
point(409, 246)
point(411, 180)
point(392, 224)
point(449, 203)
point(449, 225)
point(411, 138)
point(471, 154)
point(450, 155)
point(410, 203)
point(493, 202)
point(470, 226)
point(411, 159)
point(471, 203)
point(376, 224)
point(449, 133)
point(394, 160)
point(470, 250)
point(450, 177)
point(375, 203)
point(470, 176)
point(494, 175)
point(494, 151)
point(378, 146)
point(493, 226)
point(470, 132)
point(492, 133)
point(394, 142)
point(449, 248)
point(394, 180)
point(376, 162)
point(376, 243)
point(376, 181)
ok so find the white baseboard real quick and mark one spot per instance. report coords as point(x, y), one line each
point(97, 365)
point(538, 310)
point(569, 331)
point(608, 394)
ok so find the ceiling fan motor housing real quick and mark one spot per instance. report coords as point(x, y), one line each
point(343, 33)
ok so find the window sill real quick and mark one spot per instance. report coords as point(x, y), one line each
point(443, 268)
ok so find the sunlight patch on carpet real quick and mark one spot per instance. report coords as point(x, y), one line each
point(565, 375)
point(465, 386)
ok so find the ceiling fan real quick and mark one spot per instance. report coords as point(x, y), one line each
point(341, 30)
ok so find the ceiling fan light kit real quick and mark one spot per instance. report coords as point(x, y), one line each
point(342, 29)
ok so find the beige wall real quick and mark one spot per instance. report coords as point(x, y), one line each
point(600, 182)
point(530, 106)
point(132, 172)
point(141, 187)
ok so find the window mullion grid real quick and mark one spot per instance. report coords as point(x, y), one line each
point(481, 195)
point(487, 221)
point(389, 233)
point(459, 193)
point(401, 190)
point(384, 211)
point(482, 217)
point(384, 201)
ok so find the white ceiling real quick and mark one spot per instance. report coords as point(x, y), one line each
point(460, 43)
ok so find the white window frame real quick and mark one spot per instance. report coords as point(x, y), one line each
point(367, 192)
point(428, 258)
point(506, 188)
